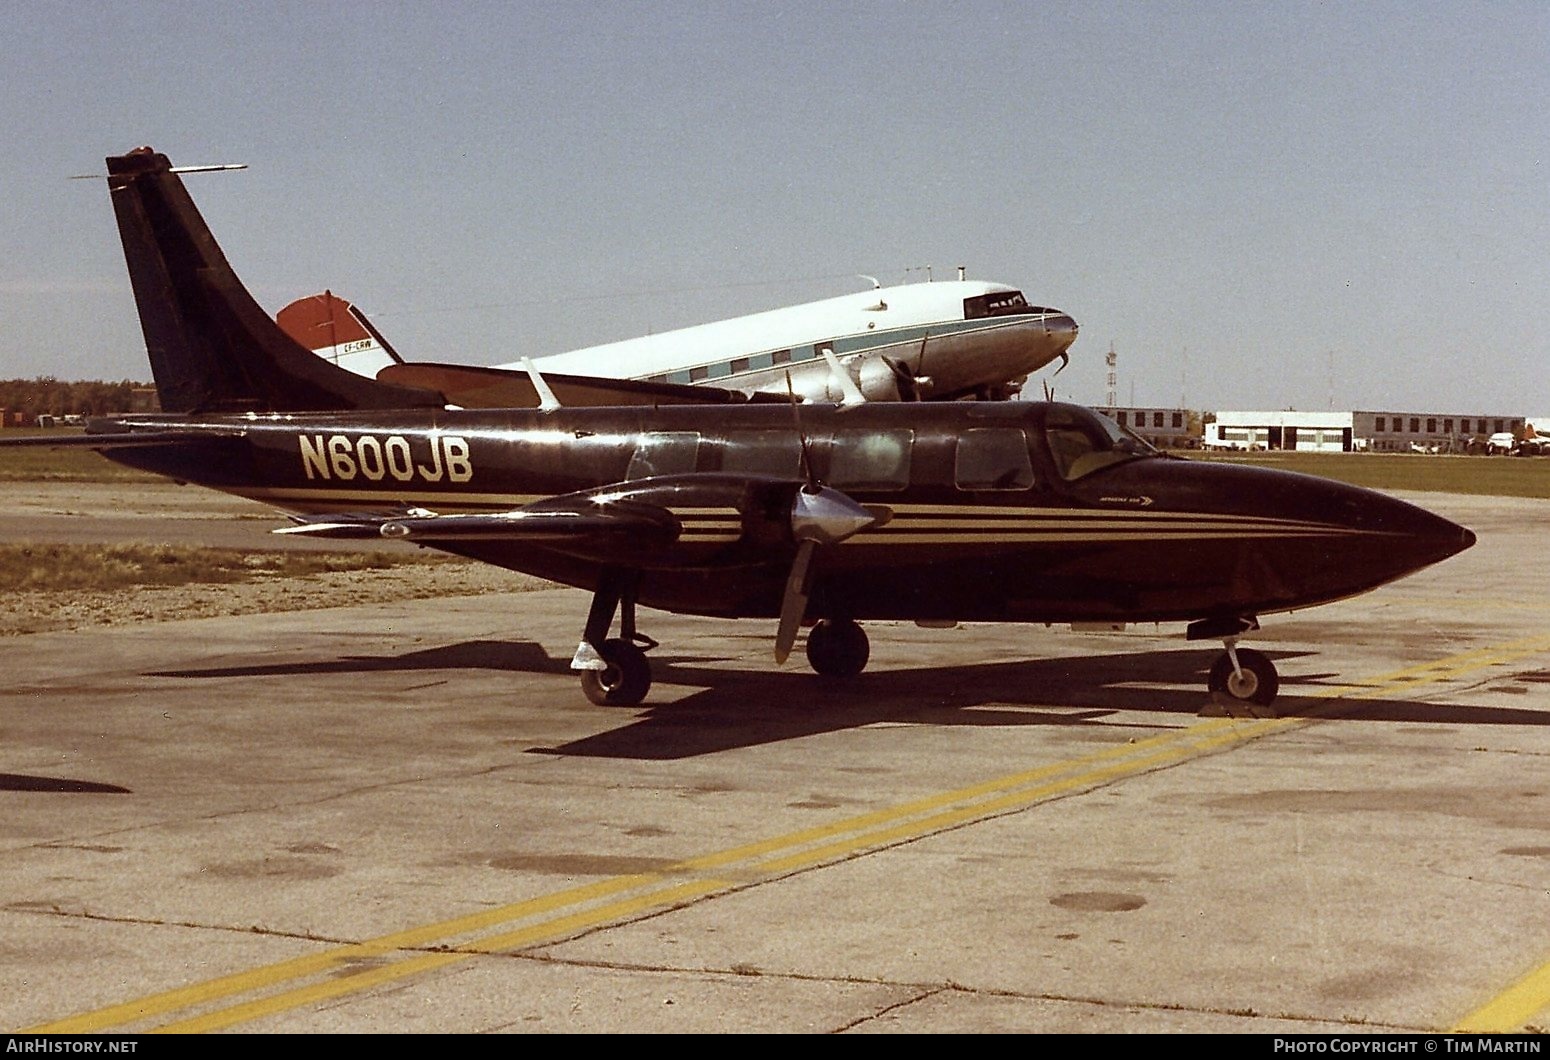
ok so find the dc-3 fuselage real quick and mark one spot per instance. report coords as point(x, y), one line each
point(813, 515)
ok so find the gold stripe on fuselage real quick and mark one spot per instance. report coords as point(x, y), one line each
point(911, 524)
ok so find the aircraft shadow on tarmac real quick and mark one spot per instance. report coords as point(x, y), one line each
point(60, 785)
point(736, 707)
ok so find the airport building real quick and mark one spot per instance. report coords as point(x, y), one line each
point(1360, 431)
point(1306, 432)
point(1163, 428)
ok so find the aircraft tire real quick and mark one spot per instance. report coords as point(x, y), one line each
point(1259, 683)
point(626, 680)
point(837, 648)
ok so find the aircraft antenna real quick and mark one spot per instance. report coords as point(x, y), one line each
point(547, 402)
point(1112, 360)
point(217, 168)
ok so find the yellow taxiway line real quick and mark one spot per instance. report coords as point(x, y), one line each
point(251, 995)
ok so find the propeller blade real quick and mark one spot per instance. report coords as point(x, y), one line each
point(793, 604)
point(796, 415)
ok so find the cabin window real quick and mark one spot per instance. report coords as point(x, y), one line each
point(1120, 416)
point(993, 458)
point(698, 374)
point(780, 357)
point(871, 460)
point(1431, 425)
point(763, 453)
point(739, 364)
point(1178, 420)
point(668, 453)
point(999, 303)
point(1379, 429)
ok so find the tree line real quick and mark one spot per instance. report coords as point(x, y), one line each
point(46, 395)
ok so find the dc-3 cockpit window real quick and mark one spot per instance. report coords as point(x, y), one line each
point(1082, 441)
point(870, 460)
point(999, 304)
point(668, 453)
point(993, 458)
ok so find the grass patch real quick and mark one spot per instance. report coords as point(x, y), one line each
point(41, 464)
point(1496, 476)
point(61, 567)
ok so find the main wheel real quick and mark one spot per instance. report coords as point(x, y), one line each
point(1258, 683)
point(626, 679)
point(837, 648)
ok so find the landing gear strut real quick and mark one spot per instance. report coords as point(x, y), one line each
point(1243, 674)
point(837, 647)
point(614, 670)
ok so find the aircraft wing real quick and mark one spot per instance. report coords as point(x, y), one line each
point(472, 388)
point(639, 523)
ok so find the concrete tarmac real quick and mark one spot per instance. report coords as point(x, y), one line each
point(407, 818)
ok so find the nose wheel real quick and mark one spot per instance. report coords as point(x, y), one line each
point(1245, 675)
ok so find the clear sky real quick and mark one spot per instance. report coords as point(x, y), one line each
point(1290, 204)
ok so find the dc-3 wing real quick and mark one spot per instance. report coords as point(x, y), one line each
point(472, 387)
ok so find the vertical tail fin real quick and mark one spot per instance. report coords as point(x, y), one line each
point(338, 332)
point(212, 347)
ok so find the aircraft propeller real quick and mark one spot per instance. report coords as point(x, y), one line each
point(819, 516)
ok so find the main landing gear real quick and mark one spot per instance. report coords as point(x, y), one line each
point(1241, 674)
point(614, 670)
point(837, 647)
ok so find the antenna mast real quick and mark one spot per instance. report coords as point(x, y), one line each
point(1112, 360)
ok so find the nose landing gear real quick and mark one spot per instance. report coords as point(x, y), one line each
point(1245, 675)
point(1240, 674)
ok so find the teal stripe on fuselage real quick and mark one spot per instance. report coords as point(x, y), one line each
point(844, 346)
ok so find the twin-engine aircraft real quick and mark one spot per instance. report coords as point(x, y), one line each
point(802, 514)
point(914, 342)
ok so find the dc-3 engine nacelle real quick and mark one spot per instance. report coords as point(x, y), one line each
point(878, 379)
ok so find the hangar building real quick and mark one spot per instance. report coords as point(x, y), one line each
point(1360, 431)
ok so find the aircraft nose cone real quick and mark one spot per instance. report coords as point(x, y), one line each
point(1061, 326)
point(1416, 537)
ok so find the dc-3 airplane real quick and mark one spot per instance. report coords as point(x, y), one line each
point(913, 342)
point(797, 513)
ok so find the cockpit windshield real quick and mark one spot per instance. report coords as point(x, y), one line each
point(997, 304)
point(1082, 441)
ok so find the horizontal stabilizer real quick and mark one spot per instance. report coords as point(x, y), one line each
point(472, 387)
point(123, 439)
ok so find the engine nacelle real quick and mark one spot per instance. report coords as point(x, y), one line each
point(878, 379)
